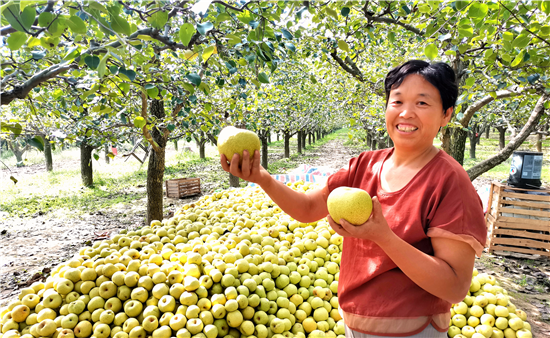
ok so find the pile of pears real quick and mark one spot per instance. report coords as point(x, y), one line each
point(229, 265)
point(487, 312)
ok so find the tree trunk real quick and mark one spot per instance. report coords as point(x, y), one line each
point(473, 143)
point(458, 144)
point(106, 149)
point(505, 153)
point(234, 181)
point(445, 138)
point(304, 140)
point(487, 132)
point(309, 138)
point(369, 140)
point(269, 137)
point(277, 137)
point(202, 150)
point(176, 145)
point(539, 142)
point(86, 170)
point(18, 152)
point(48, 154)
point(501, 137)
point(287, 144)
point(155, 169)
point(264, 141)
point(373, 144)
point(299, 138)
point(313, 137)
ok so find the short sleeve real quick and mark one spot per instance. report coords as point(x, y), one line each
point(459, 213)
point(342, 178)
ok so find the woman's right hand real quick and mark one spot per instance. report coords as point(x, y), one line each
point(250, 171)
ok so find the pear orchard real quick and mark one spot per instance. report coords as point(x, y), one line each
point(230, 265)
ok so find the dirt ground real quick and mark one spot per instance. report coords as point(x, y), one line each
point(30, 247)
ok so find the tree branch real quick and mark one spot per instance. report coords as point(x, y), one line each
point(505, 153)
point(472, 109)
point(391, 21)
point(21, 92)
point(353, 70)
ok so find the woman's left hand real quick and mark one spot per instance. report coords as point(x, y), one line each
point(375, 228)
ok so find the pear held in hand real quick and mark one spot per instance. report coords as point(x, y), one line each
point(234, 140)
point(352, 204)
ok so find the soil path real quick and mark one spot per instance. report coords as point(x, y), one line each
point(30, 247)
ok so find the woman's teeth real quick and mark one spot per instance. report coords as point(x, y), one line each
point(406, 128)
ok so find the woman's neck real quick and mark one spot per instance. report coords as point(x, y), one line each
point(406, 157)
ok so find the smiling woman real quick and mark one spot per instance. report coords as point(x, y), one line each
point(403, 268)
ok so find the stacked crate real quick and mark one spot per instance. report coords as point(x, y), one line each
point(518, 221)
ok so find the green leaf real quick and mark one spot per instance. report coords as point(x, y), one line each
point(223, 17)
point(120, 25)
point(194, 79)
point(290, 46)
point(343, 45)
point(16, 40)
point(313, 79)
point(391, 37)
point(128, 74)
point(508, 36)
point(466, 31)
point(263, 78)
point(14, 179)
point(518, 59)
point(92, 61)
point(170, 127)
point(27, 16)
point(98, 6)
point(45, 18)
point(102, 65)
point(159, 19)
point(545, 7)
point(332, 13)
point(344, 11)
point(71, 54)
point(96, 157)
point(431, 51)
point(125, 87)
point(461, 4)
point(11, 14)
point(139, 122)
point(287, 34)
point(76, 24)
point(186, 32)
point(469, 82)
point(521, 41)
point(233, 39)
point(37, 142)
point(204, 28)
point(153, 92)
point(208, 52)
point(478, 10)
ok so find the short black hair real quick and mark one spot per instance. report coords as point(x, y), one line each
point(439, 74)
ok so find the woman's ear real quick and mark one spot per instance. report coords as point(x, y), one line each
point(447, 116)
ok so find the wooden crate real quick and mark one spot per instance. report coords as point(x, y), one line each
point(518, 222)
point(181, 187)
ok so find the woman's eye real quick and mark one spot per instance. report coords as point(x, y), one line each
point(422, 103)
point(396, 102)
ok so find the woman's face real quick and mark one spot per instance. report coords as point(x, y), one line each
point(415, 113)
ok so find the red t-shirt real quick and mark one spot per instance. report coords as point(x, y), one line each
point(439, 201)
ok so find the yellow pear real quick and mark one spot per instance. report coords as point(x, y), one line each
point(233, 141)
point(352, 204)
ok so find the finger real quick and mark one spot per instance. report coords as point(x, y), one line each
point(234, 168)
point(348, 227)
point(224, 163)
point(245, 166)
point(376, 207)
point(337, 227)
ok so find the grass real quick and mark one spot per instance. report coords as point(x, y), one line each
point(121, 183)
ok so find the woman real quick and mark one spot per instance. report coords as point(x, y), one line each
point(402, 269)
